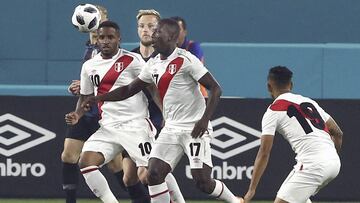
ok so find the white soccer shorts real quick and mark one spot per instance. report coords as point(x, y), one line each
point(172, 143)
point(306, 180)
point(134, 136)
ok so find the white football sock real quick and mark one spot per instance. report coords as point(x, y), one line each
point(159, 193)
point(98, 184)
point(308, 201)
point(223, 193)
point(174, 190)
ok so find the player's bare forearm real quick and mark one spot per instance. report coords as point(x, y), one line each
point(80, 111)
point(209, 82)
point(261, 161)
point(212, 101)
point(117, 94)
point(73, 117)
point(124, 92)
point(215, 92)
point(335, 133)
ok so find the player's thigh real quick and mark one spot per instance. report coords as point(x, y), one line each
point(307, 179)
point(115, 165)
point(86, 126)
point(137, 142)
point(157, 171)
point(198, 151)
point(90, 158)
point(72, 150)
point(298, 186)
point(166, 149)
point(103, 142)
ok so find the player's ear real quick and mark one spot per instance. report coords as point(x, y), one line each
point(269, 87)
point(291, 85)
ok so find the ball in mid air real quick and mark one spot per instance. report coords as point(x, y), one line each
point(86, 18)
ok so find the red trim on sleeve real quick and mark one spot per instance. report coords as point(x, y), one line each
point(281, 105)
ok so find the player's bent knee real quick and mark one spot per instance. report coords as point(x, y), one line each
point(203, 184)
point(114, 167)
point(130, 180)
point(70, 158)
point(154, 177)
point(142, 174)
point(91, 159)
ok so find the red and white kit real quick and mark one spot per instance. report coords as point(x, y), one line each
point(183, 105)
point(123, 124)
point(301, 121)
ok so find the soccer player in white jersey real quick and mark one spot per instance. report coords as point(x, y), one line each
point(312, 133)
point(187, 129)
point(124, 125)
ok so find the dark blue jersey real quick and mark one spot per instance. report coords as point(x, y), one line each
point(90, 51)
point(154, 111)
point(194, 48)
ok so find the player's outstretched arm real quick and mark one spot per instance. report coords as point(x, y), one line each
point(209, 82)
point(335, 133)
point(117, 94)
point(261, 161)
point(123, 92)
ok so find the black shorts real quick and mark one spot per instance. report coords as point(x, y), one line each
point(86, 126)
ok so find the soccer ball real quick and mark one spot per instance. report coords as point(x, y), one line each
point(86, 18)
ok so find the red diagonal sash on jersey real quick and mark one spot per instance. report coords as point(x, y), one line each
point(173, 67)
point(283, 105)
point(112, 75)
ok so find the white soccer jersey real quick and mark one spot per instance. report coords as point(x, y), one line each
point(100, 76)
point(301, 121)
point(176, 78)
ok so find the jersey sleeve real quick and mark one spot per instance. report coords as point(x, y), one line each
point(197, 69)
point(195, 49)
point(145, 74)
point(86, 86)
point(139, 65)
point(324, 115)
point(269, 122)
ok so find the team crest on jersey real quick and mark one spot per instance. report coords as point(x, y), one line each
point(119, 66)
point(172, 69)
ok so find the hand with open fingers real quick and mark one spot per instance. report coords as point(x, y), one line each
point(74, 87)
point(72, 118)
point(248, 196)
point(200, 128)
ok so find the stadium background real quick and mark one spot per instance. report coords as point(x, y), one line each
point(41, 52)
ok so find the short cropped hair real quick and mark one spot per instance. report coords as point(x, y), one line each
point(172, 25)
point(110, 23)
point(178, 18)
point(281, 75)
point(148, 12)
